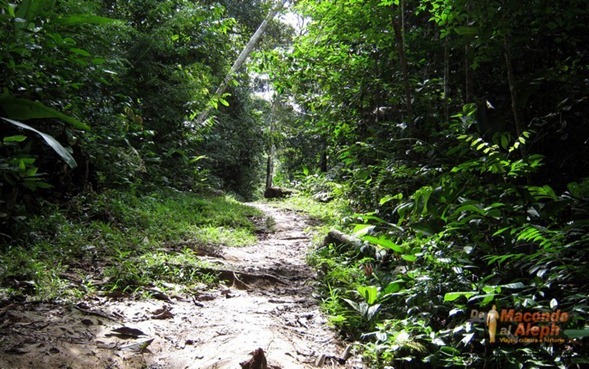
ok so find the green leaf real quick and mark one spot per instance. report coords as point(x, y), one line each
point(392, 288)
point(504, 142)
point(84, 19)
point(362, 229)
point(353, 304)
point(27, 10)
point(369, 293)
point(410, 258)
point(17, 138)
point(11, 10)
point(78, 51)
point(450, 351)
point(24, 109)
point(44, 185)
point(451, 296)
point(514, 286)
point(52, 142)
point(388, 198)
point(223, 101)
point(195, 159)
point(384, 243)
point(388, 2)
point(470, 208)
point(466, 31)
point(576, 333)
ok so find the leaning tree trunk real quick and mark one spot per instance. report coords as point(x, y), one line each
point(241, 59)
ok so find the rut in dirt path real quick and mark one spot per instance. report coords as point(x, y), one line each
point(266, 302)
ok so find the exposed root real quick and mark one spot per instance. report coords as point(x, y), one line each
point(241, 279)
point(258, 361)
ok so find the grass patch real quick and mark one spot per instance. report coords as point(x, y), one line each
point(327, 215)
point(120, 241)
point(225, 236)
point(330, 213)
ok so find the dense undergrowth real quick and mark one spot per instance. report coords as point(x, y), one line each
point(452, 240)
point(121, 241)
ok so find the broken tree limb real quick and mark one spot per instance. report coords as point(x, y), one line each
point(241, 58)
point(339, 238)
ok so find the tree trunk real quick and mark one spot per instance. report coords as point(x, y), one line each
point(468, 78)
point(270, 167)
point(323, 160)
point(446, 80)
point(272, 146)
point(399, 38)
point(241, 59)
point(512, 88)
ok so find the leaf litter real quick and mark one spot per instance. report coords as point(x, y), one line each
point(262, 317)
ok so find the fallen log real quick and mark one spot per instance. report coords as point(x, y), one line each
point(339, 238)
point(276, 192)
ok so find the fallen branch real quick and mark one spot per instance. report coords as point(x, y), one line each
point(101, 314)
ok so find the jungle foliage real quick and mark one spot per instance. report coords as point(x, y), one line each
point(97, 95)
point(457, 130)
point(105, 178)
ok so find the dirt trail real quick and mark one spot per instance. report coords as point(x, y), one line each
point(267, 303)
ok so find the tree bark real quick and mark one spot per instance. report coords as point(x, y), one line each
point(468, 78)
point(340, 238)
point(512, 88)
point(399, 38)
point(446, 80)
point(323, 159)
point(241, 59)
point(270, 168)
point(272, 146)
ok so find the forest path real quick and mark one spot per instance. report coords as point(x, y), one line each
point(266, 303)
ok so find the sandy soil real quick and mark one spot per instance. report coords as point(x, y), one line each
point(266, 303)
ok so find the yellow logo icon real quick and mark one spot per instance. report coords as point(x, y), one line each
point(492, 317)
